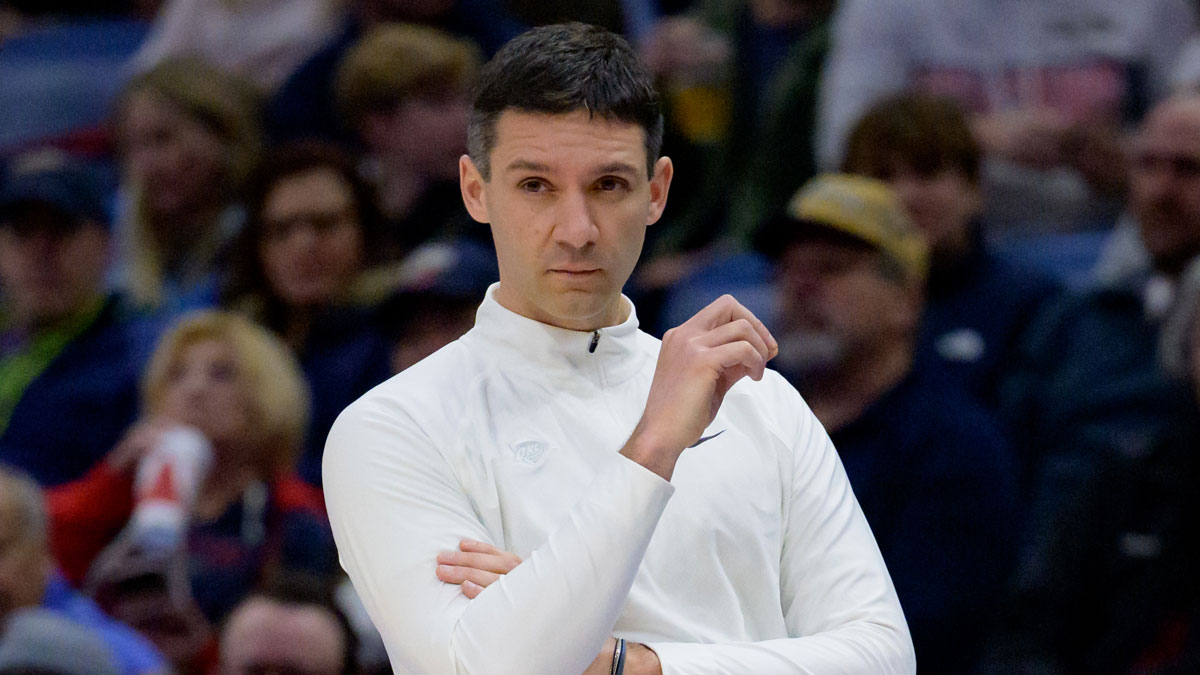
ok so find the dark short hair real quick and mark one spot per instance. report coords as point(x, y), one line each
point(928, 134)
point(559, 69)
point(246, 277)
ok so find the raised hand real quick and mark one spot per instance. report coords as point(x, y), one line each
point(699, 362)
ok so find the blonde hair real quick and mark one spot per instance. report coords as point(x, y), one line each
point(265, 369)
point(396, 61)
point(223, 103)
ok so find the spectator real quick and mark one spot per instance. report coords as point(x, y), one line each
point(978, 305)
point(773, 54)
point(441, 287)
point(404, 90)
point(305, 106)
point(238, 386)
point(313, 227)
point(188, 135)
point(929, 466)
point(28, 580)
point(38, 642)
point(293, 626)
point(1090, 376)
point(1111, 587)
point(1050, 87)
point(263, 40)
point(69, 355)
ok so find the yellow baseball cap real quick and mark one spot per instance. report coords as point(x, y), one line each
point(865, 209)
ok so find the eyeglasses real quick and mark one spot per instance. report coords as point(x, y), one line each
point(320, 222)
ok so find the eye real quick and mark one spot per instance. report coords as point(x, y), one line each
point(611, 184)
point(533, 185)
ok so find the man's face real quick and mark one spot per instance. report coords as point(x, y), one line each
point(835, 304)
point(265, 637)
point(941, 205)
point(49, 267)
point(569, 202)
point(1165, 184)
point(312, 242)
point(426, 133)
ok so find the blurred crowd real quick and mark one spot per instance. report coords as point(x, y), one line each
point(973, 226)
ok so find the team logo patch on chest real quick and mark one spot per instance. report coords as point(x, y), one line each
point(528, 452)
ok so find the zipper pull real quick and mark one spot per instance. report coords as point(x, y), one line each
point(595, 341)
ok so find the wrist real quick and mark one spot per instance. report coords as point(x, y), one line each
point(646, 448)
point(641, 660)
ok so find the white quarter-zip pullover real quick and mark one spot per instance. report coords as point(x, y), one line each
point(755, 558)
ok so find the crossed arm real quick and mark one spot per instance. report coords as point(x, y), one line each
point(552, 613)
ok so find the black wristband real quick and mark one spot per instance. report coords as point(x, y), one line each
point(620, 669)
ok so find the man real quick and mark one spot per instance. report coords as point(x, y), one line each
point(1090, 374)
point(28, 579)
point(1051, 87)
point(69, 359)
point(304, 105)
point(978, 305)
point(405, 90)
point(703, 518)
point(1114, 438)
point(290, 627)
point(763, 60)
point(928, 464)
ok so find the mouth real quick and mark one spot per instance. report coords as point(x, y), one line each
point(575, 272)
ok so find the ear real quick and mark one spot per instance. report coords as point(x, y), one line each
point(471, 182)
point(660, 185)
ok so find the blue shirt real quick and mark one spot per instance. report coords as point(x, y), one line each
point(937, 482)
point(134, 653)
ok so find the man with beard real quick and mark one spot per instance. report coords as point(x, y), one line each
point(1090, 382)
point(1092, 396)
point(930, 468)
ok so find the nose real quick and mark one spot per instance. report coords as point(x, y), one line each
point(575, 227)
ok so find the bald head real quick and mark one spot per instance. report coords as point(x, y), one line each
point(1165, 183)
point(265, 635)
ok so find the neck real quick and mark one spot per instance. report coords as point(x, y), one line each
point(222, 486)
point(27, 320)
point(840, 396)
point(613, 314)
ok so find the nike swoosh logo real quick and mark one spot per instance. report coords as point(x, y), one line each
point(707, 438)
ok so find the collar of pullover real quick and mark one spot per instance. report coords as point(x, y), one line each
point(605, 356)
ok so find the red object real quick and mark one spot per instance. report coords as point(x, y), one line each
point(164, 486)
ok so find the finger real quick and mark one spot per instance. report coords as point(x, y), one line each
point(734, 331)
point(726, 309)
point(499, 563)
point(452, 574)
point(734, 354)
point(474, 546)
point(471, 589)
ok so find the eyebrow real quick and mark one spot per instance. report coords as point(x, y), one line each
point(619, 168)
point(537, 167)
point(526, 165)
